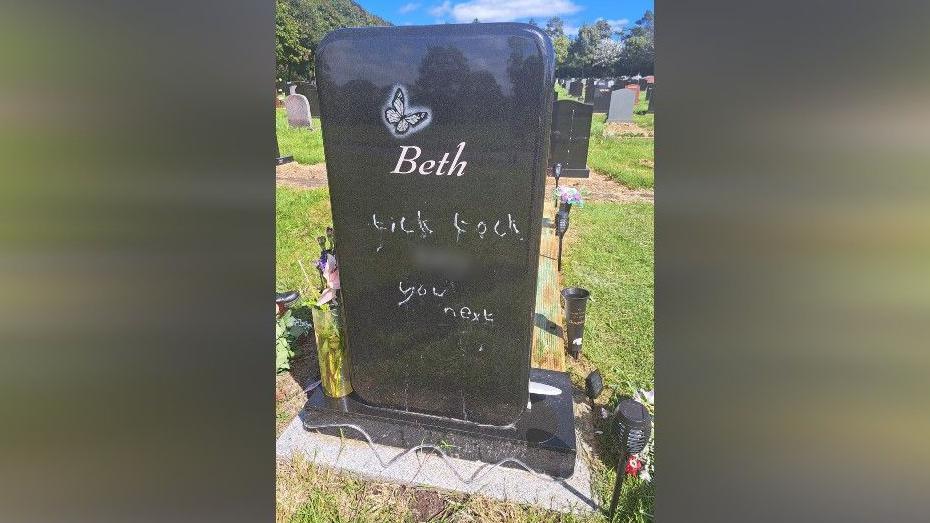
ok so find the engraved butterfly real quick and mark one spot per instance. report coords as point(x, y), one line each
point(397, 116)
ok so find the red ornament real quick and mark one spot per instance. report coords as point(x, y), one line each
point(633, 465)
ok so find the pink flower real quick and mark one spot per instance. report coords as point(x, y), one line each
point(633, 465)
point(331, 275)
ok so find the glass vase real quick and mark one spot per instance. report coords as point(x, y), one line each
point(332, 352)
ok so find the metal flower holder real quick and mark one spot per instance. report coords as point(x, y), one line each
point(332, 352)
point(575, 301)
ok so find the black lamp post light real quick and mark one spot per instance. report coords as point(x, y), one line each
point(557, 172)
point(561, 226)
point(575, 300)
point(633, 426)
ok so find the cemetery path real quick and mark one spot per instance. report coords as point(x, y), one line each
point(598, 187)
point(301, 176)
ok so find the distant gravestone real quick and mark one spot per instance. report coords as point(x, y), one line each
point(568, 142)
point(298, 111)
point(635, 89)
point(576, 88)
point(621, 106)
point(589, 88)
point(435, 156)
point(601, 100)
point(652, 99)
point(649, 89)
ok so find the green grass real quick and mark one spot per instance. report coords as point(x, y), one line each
point(611, 253)
point(304, 144)
point(300, 217)
point(621, 158)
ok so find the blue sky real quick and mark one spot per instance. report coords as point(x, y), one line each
point(619, 13)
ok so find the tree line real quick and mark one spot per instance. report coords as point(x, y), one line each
point(597, 50)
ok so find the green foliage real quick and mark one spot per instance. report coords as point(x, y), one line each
point(287, 331)
point(560, 43)
point(309, 21)
point(595, 51)
point(289, 52)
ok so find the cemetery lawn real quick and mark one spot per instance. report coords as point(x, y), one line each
point(609, 251)
point(304, 144)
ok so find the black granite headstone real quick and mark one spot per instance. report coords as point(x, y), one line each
point(589, 88)
point(652, 99)
point(649, 89)
point(575, 88)
point(571, 130)
point(601, 100)
point(435, 143)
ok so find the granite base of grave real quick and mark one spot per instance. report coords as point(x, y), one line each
point(543, 437)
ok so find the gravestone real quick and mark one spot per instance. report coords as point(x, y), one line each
point(576, 88)
point(621, 106)
point(652, 99)
point(298, 111)
point(571, 131)
point(589, 88)
point(436, 168)
point(601, 100)
point(635, 89)
point(649, 89)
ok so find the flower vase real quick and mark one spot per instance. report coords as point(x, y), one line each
point(332, 352)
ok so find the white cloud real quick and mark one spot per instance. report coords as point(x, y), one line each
point(505, 10)
point(441, 10)
point(618, 24)
point(407, 8)
point(570, 29)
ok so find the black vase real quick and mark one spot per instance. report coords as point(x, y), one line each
point(575, 300)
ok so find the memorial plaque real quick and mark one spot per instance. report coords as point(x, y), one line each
point(621, 106)
point(436, 142)
point(571, 131)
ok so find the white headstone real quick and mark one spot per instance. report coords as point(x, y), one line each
point(298, 111)
point(621, 106)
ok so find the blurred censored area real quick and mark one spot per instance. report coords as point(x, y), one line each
point(793, 262)
point(136, 261)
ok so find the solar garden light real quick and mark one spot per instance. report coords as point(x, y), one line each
point(557, 171)
point(633, 425)
point(575, 300)
point(561, 225)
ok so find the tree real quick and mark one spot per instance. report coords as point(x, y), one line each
point(476, 21)
point(605, 56)
point(555, 27)
point(639, 47)
point(301, 24)
point(560, 43)
point(532, 22)
point(289, 53)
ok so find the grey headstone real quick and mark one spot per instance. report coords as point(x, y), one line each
point(298, 111)
point(621, 106)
